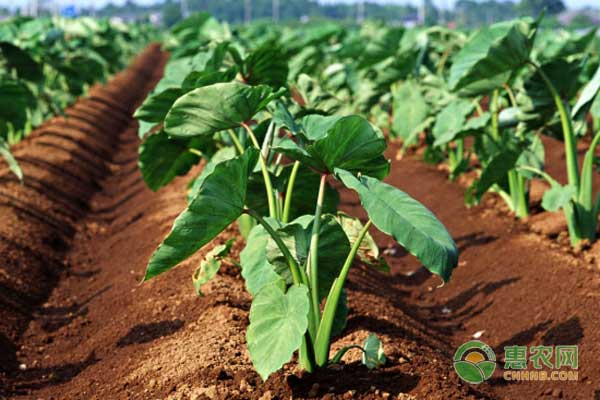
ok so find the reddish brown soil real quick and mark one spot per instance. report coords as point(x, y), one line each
point(76, 324)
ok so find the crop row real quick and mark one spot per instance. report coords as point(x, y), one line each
point(46, 63)
point(279, 112)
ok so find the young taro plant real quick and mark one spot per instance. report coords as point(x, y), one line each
point(488, 63)
point(294, 268)
point(485, 67)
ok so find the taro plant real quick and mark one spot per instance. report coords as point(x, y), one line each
point(501, 58)
point(295, 269)
point(576, 197)
point(485, 67)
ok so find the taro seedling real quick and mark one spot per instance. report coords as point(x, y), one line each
point(547, 78)
point(296, 271)
point(485, 67)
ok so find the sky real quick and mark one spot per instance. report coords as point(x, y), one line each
point(440, 3)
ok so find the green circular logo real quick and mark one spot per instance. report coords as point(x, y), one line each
point(474, 362)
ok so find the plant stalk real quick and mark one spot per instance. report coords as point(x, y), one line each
point(307, 356)
point(313, 257)
point(568, 135)
point(294, 268)
point(494, 111)
point(265, 173)
point(196, 152)
point(323, 341)
point(236, 142)
point(289, 192)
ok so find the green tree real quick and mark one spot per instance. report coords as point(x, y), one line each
point(171, 13)
point(534, 7)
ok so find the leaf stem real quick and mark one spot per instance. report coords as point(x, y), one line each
point(313, 270)
point(322, 342)
point(568, 135)
point(307, 357)
point(236, 141)
point(265, 173)
point(289, 192)
point(494, 110)
point(294, 268)
point(196, 152)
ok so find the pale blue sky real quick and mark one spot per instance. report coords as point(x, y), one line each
point(442, 3)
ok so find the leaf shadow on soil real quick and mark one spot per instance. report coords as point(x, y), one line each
point(354, 377)
point(569, 332)
point(34, 378)
point(444, 318)
point(473, 239)
point(54, 318)
point(148, 332)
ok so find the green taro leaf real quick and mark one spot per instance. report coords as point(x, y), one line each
point(15, 99)
point(217, 107)
point(407, 221)
point(18, 59)
point(157, 105)
point(564, 44)
point(13, 165)
point(224, 154)
point(493, 173)
point(349, 142)
point(266, 65)
point(197, 79)
point(558, 196)
point(278, 322)
point(563, 74)
point(332, 251)
point(368, 252)
point(218, 203)
point(210, 266)
point(373, 355)
point(144, 128)
point(451, 121)
point(410, 110)
point(256, 269)
point(162, 158)
point(490, 57)
point(587, 97)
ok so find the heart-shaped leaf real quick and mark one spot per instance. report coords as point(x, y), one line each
point(217, 107)
point(407, 221)
point(588, 94)
point(266, 65)
point(20, 60)
point(332, 251)
point(368, 252)
point(410, 109)
point(13, 165)
point(349, 142)
point(162, 158)
point(493, 173)
point(278, 322)
point(157, 105)
point(564, 75)
point(224, 154)
point(210, 266)
point(491, 56)
point(218, 203)
point(256, 269)
point(558, 197)
point(451, 121)
point(373, 354)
